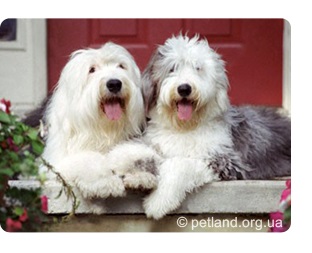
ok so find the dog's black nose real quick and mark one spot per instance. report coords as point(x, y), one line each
point(184, 90)
point(114, 85)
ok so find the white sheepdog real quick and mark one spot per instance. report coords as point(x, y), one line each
point(192, 126)
point(96, 108)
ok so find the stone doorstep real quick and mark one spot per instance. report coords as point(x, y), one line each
point(245, 196)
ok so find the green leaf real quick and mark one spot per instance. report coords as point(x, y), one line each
point(18, 211)
point(37, 147)
point(4, 118)
point(18, 139)
point(7, 172)
point(287, 214)
point(33, 134)
point(13, 156)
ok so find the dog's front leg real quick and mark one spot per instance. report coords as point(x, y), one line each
point(177, 176)
point(86, 170)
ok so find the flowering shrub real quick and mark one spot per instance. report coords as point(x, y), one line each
point(284, 212)
point(20, 209)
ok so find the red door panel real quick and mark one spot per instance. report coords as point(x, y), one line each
point(252, 48)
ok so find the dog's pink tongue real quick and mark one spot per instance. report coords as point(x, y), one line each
point(113, 110)
point(185, 110)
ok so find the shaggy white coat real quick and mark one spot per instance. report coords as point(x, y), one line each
point(87, 147)
point(190, 148)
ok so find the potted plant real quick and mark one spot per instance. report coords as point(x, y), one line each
point(21, 209)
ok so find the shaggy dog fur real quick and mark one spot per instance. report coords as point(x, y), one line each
point(94, 112)
point(262, 138)
point(196, 131)
point(194, 135)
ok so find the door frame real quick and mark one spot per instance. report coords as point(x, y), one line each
point(287, 66)
point(27, 55)
point(32, 35)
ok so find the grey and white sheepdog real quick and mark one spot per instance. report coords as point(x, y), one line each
point(199, 135)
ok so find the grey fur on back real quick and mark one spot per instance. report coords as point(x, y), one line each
point(262, 138)
point(33, 117)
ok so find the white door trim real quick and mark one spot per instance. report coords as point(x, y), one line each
point(287, 67)
point(23, 65)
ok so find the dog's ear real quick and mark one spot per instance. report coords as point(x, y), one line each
point(222, 100)
point(149, 84)
point(223, 85)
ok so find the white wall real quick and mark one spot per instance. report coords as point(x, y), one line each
point(23, 65)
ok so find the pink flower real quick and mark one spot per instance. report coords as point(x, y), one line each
point(276, 223)
point(12, 145)
point(286, 193)
point(285, 201)
point(288, 183)
point(44, 204)
point(5, 105)
point(12, 225)
point(280, 220)
point(24, 216)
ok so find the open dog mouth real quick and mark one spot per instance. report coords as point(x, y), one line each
point(185, 109)
point(113, 107)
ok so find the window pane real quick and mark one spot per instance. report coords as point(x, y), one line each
point(8, 30)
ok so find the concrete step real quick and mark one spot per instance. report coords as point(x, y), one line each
point(245, 196)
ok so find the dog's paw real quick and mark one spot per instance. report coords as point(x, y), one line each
point(113, 186)
point(226, 167)
point(157, 204)
point(153, 209)
point(140, 180)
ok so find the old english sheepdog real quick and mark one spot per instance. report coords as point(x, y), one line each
point(199, 135)
point(94, 112)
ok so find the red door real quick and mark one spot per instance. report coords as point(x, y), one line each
point(252, 48)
